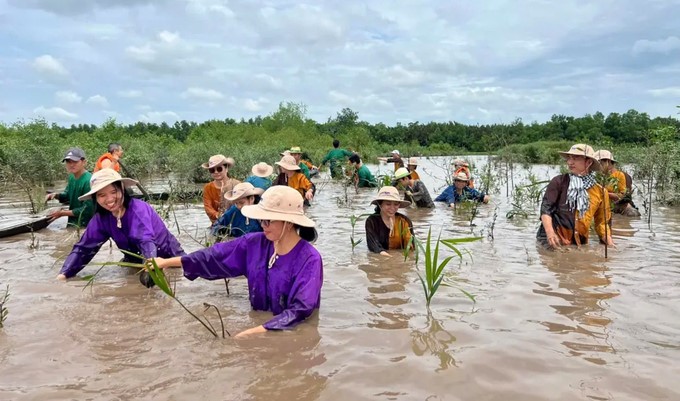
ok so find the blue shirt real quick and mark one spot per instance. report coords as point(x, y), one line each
point(451, 196)
point(259, 182)
point(240, 225)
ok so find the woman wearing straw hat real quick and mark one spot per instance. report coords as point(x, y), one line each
point(572, 201)
point(261, 178)
point(620, 191)
point(460, 191)
point(412, 166)
point(283, 269)
point(131, 223)
point(214, 191)
point(233, 223)
point(414, 190)
point(460, 165)
point(294, 178)
point(387, 228)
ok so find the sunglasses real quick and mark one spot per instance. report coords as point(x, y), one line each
point(217, 169)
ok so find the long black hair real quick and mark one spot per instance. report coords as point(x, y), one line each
point(119, 187)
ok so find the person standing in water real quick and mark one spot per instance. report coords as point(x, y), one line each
point(387, 228)
point(336, 156)
point(110, 158)
point(214, 202)
point(79, 212)
point(414, 190)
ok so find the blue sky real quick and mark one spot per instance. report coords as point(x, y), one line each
point(73, 61)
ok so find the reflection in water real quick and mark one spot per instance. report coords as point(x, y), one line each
point(388, 292)
point(583, 282)
point(435, 339)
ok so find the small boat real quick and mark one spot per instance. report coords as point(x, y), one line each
point(163, 196)
point(31, 224)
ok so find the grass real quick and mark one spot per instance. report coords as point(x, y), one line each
point(3, 309)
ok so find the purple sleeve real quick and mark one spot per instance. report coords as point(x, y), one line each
point(304, 296)
point(143, 230)
point(222, 260)
point(86, 248)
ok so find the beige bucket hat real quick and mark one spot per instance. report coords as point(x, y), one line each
point(241, 190)
point(605, 155)
point(103, 178)
point(461, 176)
point(388, 193)
point(401, 173)
point(218, 160)
point(581, 149)
point(281, 203)
point(285, 153)
point(262, 170)
point(460, 162)
point(412, 161)
point(288, 162)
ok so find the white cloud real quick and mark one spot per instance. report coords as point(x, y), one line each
point(667, 45)
point(168, 53)
point(67, 97)
point(54, 113)
point(253, 105)
point(159, 116)
point(672, 91)
point(98, 100)
point(130, 93)
point(209, 95)
point(49, 66)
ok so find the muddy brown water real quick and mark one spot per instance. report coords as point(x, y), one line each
point(546, 325)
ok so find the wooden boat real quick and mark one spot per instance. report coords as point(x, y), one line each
point(31, 224)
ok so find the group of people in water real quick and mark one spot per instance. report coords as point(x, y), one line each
point(272, 236)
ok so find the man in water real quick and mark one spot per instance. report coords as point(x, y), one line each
point(110, 158)
point(336, 156)
point(79, 212)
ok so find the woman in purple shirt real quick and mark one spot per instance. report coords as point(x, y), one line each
point(284, 270)
point(132, 224)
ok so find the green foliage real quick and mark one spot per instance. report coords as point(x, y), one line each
point(534, 153)
point(434, 268)
point(3, 309)
point(657, 167)
point(526, 197)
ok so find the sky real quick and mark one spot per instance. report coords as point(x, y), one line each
point(492, 61)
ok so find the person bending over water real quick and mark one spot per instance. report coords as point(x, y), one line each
point(387, 228)
point(283, 269)
point(233, 223)
point(132, 224)
point(572, 201)
point(460, 191)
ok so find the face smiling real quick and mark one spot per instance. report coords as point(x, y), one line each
point(389, 208)
point(110, 198)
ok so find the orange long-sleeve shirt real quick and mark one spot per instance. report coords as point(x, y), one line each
point(213, 198)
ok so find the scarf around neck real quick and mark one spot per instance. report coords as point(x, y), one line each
point(577, 193)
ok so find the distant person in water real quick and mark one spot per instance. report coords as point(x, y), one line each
point(620, 187)
point(414, 190)
point(110, 158)
point(461, 166)
point(572, 201)
point(412, 166)
point(290, 171)
point(131, 223)
point(387, 228)
point(283, 269)
point(336, 157)
point(460, 191)
point(214, 202)
point(233, 223)
point(78, 183)
point(261, 176)
point(296, 152)
point(396, 159)
point(362, 175)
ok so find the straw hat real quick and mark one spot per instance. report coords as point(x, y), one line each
point(581, 149)
point(412, 161)
point(396, 151)
point(461, 176)
point(280, 203)
point(262, 170)
point(285, 153)
point(288, 162)
point(460, 162)
point(218, 160)
point(295, 150)
point(103, 178)
point(401, 173)
point(605, 155)
point(242, 190)
point(388, 193)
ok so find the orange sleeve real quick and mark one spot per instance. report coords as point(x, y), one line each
point(211, 201)
point(602, 214)
point(300, 182)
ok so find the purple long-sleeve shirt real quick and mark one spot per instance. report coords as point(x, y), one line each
point(291, 288)
point(142, 232)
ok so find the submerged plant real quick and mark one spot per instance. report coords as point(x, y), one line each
point(3, 309)
point(434, 269)
point(353, 221)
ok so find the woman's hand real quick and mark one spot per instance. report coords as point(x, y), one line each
point(164, 263)
point(554, 240)
point(254, 330)
point(309, 195)
point(384, 253)
point(61, 277)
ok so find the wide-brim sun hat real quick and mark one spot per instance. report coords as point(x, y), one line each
point(461, 176)
point(103, 178)
point(396, 151)
point(401, 173)
point(460, 162)
point(412, 161)
point(217, 160)
point(242, 190)
point(280, 203)
point(388, 193)
point(581, 149)
point(262, 170)
point(605, 155)
point(288, 162)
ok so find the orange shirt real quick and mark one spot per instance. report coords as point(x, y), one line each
point(465, 170)
point(300, 182)
point(213, 198)
point(401, 234)
point(414, 175)
point(107, 156)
